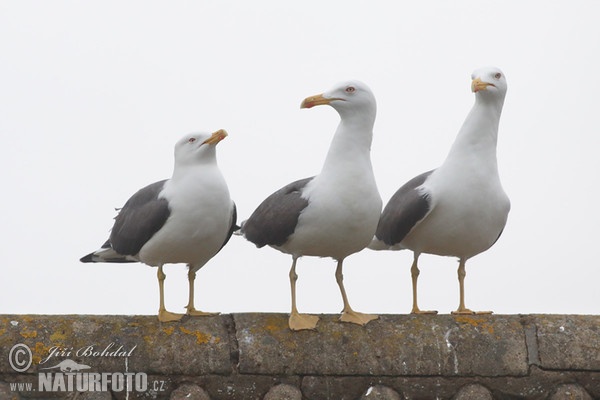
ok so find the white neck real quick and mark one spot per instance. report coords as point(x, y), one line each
point(479, 133)
point(351, 143)
point(183, 169)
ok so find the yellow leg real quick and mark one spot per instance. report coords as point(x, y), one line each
point(462, 310)
point(191, 310)
point(297, 321)
point(414, 272)
point(348, 314)
point(163, 314)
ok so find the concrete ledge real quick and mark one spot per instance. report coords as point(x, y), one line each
point(256, 356)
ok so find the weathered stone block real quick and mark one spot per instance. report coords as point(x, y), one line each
point(394, 345)
point(570, 392)
point(283, 392)
point(473, 392)
point(254, 356)
point(189, 391)
point(243, 387)
point(380, 392)
point(568, 342)
point(195, 346)
point(331, 387)
point(7, 393)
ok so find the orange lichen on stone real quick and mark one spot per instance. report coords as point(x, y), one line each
point(201, 338)
point(58, 337)
point(169, 331)
point(475, 322)
point(148, 339)
point(274, 323)
point(39, 352)
point(28, 334)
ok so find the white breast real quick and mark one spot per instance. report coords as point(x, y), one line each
point(343, 211)
point(199, 221)
point(469, 211)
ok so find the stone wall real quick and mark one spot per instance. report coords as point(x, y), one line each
point(256, 356)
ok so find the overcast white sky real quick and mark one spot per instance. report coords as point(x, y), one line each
point(93, 96)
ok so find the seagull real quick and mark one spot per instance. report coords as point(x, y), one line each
point(185, 219)
point(333, 214)
point(459, 209)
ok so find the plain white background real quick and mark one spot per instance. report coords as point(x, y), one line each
point(93, 96)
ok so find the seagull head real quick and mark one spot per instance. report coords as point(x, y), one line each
point(488, 82)
point(198, 147)
point(350, 97)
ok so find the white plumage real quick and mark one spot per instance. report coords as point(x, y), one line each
point(460, 209)
point(201, 210)
point(185, 219)
point(335, 213)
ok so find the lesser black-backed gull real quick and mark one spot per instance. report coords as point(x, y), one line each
point(185, 219)
point(460, 208)
point(335, 213)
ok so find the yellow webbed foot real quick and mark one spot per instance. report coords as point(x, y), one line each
point(298, 322)
point(167, 316)
point(466, 311)
point(357, 317)
point(192, 312)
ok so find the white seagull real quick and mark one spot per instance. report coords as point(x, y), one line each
point(335, 213)
point(185, 219)
point(460, 208)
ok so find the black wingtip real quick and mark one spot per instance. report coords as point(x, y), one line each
point(87, 259)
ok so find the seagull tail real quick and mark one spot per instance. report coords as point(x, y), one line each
point(107, 254)
point(378, 244)
point(239, 231)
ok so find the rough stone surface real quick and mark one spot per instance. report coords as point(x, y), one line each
point(189, 391)
point(283, 392)
point(473, 392)
point(93, 396)
point(380, 392)
point(195, 346)
point(392, 345)
point(570, 392)
point(6, 393)
point(256, 357)
point(569, 342)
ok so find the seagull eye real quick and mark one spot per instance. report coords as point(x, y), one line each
point(191, 140)
point(498, 75)
point(350, 89)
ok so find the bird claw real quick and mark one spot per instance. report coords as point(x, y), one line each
point(425, 312)
point(463, 312)
point(466, 311)
point(192, 312)
point(357, 317)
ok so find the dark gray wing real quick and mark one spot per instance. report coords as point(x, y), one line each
point(406, 207)
point(500, 234)
point(233, 227)
point(276, 217)
point(139, 219)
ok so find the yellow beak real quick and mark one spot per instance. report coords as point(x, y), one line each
point(477, 84)
point(216, 137)
point(317, 100)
